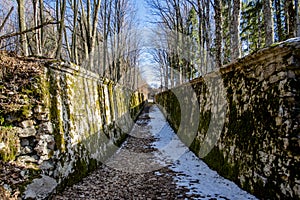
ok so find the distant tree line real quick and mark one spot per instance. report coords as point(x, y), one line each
point(198, 36)
point(99, 35)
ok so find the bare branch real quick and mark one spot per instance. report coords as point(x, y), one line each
point(6, 18)
point(28, 30)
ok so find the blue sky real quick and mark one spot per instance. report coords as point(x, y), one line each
point(146, 62)
point(142, 11)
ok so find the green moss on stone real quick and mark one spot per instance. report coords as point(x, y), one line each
point(26, 111)
point(121, 139)
point(195, 146)
point(216, 160)
point(33, 173)
point(81, 169)
point(9, 137)
point(54, 111)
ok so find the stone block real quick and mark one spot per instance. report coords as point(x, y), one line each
point(45, 128)
point(291, 74)
point(46, 165)
point(40, 188)
point(274, 79)
point(27, 132)
point(27, 124)
point(2, 145)
point(296, 188)
point(26, 159)
point(24, 142)
point(278, 121)
point(26, 150)
point(42, 117)
point(269, 70)
point(41, 148)
point(39, 109)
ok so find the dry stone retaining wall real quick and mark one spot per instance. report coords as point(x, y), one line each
point(61, 122)
point(259, 142)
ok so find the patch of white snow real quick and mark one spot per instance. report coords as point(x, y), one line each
point(192, 172)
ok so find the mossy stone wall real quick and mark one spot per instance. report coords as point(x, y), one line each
point(90, 118)
point(65, 121)
point(259, 142)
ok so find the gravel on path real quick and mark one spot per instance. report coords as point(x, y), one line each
point(140, 169)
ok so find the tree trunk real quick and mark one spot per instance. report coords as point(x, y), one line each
point(279, 20)
point(37, 32)
point(74, 53)
point(93, 30)
point(235, 30)
point(297, 18)
point(61, 12)
point(218, 31)
point(166, 77)
point(42, 20)
point(290, 19)
point(208, 37)
point(268, 22)
point(22, 27)
point(6, 18)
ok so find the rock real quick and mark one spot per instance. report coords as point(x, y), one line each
point(2, 96)
point(33, 142)
point(269, 70)
point(24, 142)
point(2, 145)
point(278, 121)
point(46, 165)
point(47, 138)
point(43, 158)
point(41, 148)
point(45, 145)
point(27, 159)
point(26, 150)
point(42, 117)
point(11, 118)
point(22, 102)
point(7, 187)
point(40, 188)
point(27, 124)
point(45, 128)
point(38, 109)
point(27, 132)
point(23, 173)
point(36, 157)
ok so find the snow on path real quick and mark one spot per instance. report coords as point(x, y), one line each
point(191, 172)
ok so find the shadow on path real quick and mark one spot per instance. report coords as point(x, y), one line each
point(154, 164)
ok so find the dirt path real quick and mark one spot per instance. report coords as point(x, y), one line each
point(145, 167)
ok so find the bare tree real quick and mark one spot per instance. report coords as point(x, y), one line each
point(218, 32)
point(6, 18)
point(268, 22)
point(60, 14)
point(22, 27)
point(89, 23)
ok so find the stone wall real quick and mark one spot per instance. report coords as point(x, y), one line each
point(60, 122)
point(249, 127)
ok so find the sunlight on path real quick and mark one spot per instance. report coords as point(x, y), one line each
point(153, 164)
point(191, 172)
